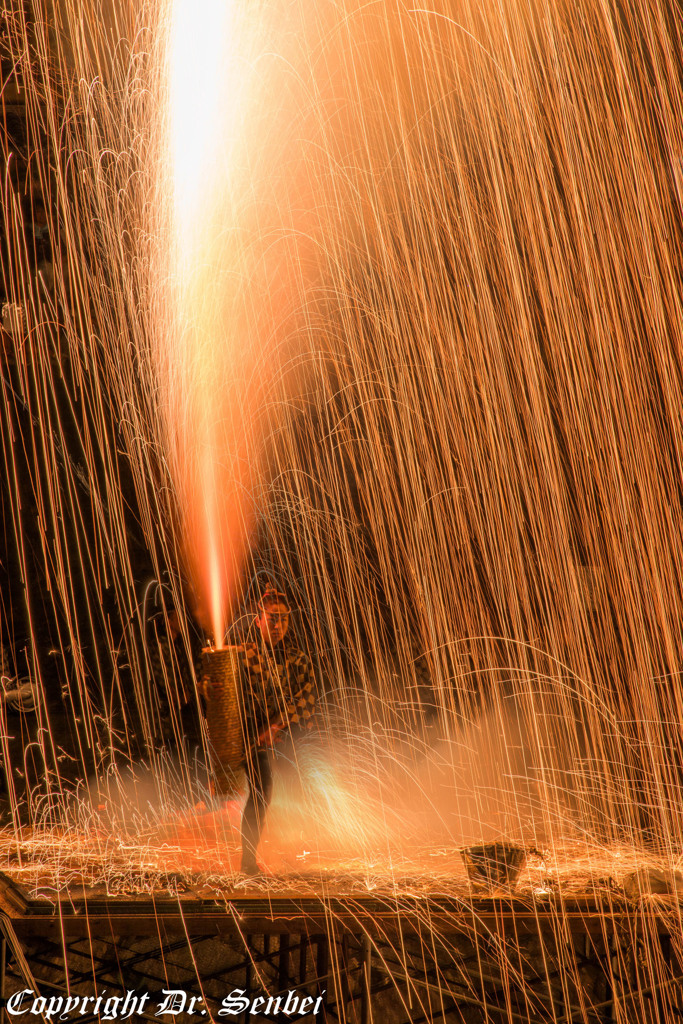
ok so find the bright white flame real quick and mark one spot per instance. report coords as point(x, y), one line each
point(207, 423)
point(203, 102)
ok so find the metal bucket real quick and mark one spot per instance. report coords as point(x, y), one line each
point(496, 864)
point(222, 695)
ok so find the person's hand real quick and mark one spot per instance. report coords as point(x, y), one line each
point(270, 736)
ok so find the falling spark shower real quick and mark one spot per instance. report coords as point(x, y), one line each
point(382, 303)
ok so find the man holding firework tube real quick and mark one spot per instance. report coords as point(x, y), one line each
point(278, 692)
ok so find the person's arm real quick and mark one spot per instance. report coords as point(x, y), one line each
point(254, 712)
point(299, 702)
point(301, 705)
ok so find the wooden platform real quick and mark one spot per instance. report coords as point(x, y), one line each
point(84, 911)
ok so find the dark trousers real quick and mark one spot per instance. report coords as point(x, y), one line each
point(258, 766)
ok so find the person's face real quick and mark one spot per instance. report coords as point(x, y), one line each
point(273, 623)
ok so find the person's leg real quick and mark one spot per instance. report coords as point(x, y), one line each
point(260, 779)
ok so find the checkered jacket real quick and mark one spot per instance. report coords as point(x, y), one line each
point(278, 685)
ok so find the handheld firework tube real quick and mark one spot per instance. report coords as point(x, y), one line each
point(222, 695)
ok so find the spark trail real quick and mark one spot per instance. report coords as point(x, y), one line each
point(451, 237)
